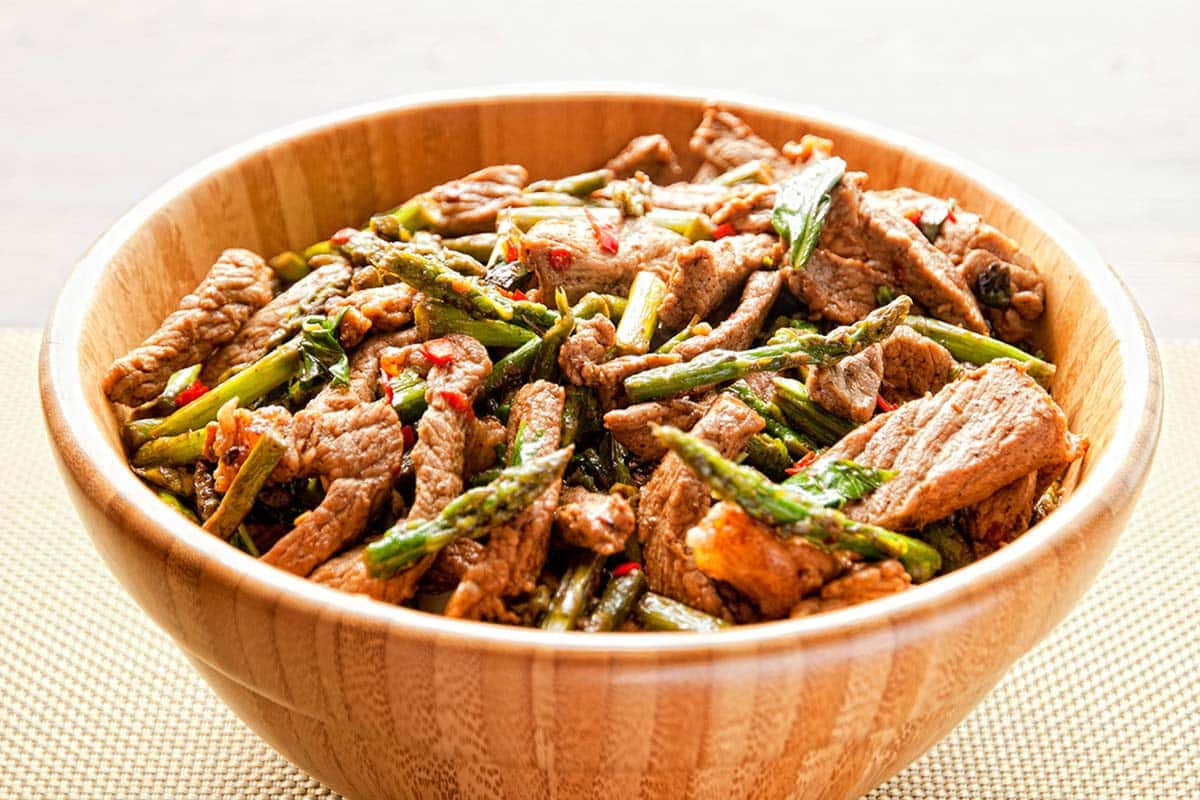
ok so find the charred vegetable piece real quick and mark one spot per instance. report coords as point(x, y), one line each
point(640, 321)
point(658, 613)
point(792, 513)
point(993, 287)
point(976, 348)
point(801, 204)
point(618, 600)
point(573, 593)
point(718, 366)
point(513, 368)
point(470, 514)
point(238, 501)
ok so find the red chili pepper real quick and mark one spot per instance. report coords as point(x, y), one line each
point(384, 378)
point(515, 294)
point(561, 258)
point(914, 217)
point(510, 250)
point(723, 230)
point(191, 393)
point(884, 405)
point(950, 215)
point(438, 352)
point(456, 400)
point(606, 235)
point(342, 236)
point(626, 568)
point(408, 436)
point(803, 463)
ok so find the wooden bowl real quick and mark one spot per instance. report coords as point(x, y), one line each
point(378, 701)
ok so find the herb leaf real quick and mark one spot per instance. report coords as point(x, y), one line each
point(801, 204)
point(321, 355)
point(836, 483)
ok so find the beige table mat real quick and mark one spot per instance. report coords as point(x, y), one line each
point(95, 702)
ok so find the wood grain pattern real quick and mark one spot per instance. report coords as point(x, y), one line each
point(379, 701)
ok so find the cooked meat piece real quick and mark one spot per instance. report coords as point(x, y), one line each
point(955, 448)
point(237, 285)
point(279, 319)
point(747, 209)
point(675, 499)
point(356, 451)
point(739, 329)
point(608, 379)
point(867, 582)
point(599, 522)
point(1001, 518)
point(913, 365)
point(841, 290)
point(451, 566)
point(516, 550)
point(471, 203)
point(364, 373)
point(235, 431)
point(381, 310)
point(651, 154)
point(698, 197)
point(581, 359)
point(566, 254)
point(484, 436)
point(730, 545)
point(631, 426)
point(437, 461)
point(724, 141)
point(810, 148)
point(864, 227)
point(708, 273)
point(848, 388)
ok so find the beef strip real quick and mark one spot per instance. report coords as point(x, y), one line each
point(599, 522)
point(848, 388)
point(651, 154)
point(632, 425)
point(364, 372)
point(708, 273)
point(866, 582)
point(516, 550)
point(279, 319)
point(451, 566)
point(953, 449)
point(566, 254)
point(913, 365)
point(675, 499)
point(747, 208)
point(484, 436)
point(724, 141)
point(437, 461)
point(470, 204)
point(236, 286)
point(356, 451)
point(999, 519)
point(381, 309)
point(740, 328)
point(701, 198)
point(838, 289)
point(730, 545)
point(235, 431)
point(581, 359)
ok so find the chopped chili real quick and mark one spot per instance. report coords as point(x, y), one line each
point(801, 465)
point(914, 217)
point(884, 405)
point(560, 258)
point(438, 352)
point(408, 436)
point(723, 230)
point(606, 234)
point(384, 378)
point(514, 294)
point(190, 393)
point(510, 250)
point(342, 236)
point(624, 569)
point(456, 400)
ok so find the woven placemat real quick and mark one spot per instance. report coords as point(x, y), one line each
point(95, 702)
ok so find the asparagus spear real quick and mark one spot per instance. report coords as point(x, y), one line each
point(792, 514)
point(574, 592)
point(979, 349)
point(177, 480)
point(183, 448)
point(950, 544)
point(580, 413)
point(637, 327)
point(768, 455)
point(582, 184)
point(243, 541)
point(797, 445)
point(658, 613)
point(545, 364)
point(610, 305)
point(718, 366)
point(416, 214)
point(692, 224)
point(756, 171)
point(252, 383)
point(165, 403)
point(513, 368)
point(693, 328)
point(791, 329)
point(478, 246)
point(472, 514)
point(820, 426)
point(434, 319)
point(172, 500)
point(238, 501)
point(290, 266)
point(408, 395)
point(617, 601)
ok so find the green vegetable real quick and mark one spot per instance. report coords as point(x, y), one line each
point(478, 246)
point(545, 365)
point(951, 545)
point(768, 455)
point(756, 171)
point(834, 483)
point(994, 286)
point(175, 503)
point(434, 319)
point(775, 425)
point(408, 395)
point(640, 321)
point(582, 184)
point(238, 501)
point(807, 416)
point(183, 448)
point(801, 203)
point(321, 355)
point(976, 348)
point(658, 613)
point(617, 601)
point(513, 368)
point(573, 592)
point(290, 266)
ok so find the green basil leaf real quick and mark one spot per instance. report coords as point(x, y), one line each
point(801, 203)
point(836, 483)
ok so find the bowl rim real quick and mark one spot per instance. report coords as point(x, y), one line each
point(1116, 477)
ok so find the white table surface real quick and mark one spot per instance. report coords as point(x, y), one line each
point(1092, 111)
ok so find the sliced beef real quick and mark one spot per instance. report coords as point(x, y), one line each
point(848, 388)
point(1001, 518)
point(471, 203)
point(236, 286)
point(516, 550)
point(838, 289)
point(740, 328)
point(437, 461)
point(599, 522)
point(955, 448)
point(581, 359)
point(279, 319)
point(566, 254)
point(701, 198)
point(913, 365)
point(723, 141)
point(747, 208)
point(866, 582)
point(650, 154)
point(632, 426)
point(730, 545)
point(708, 273)
point(675, 499)
point(485, 436)
point(356, 451)
point(451, 566)
point(364, 372)
point(382, 309)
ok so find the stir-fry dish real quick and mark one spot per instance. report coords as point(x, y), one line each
point(617, 400)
